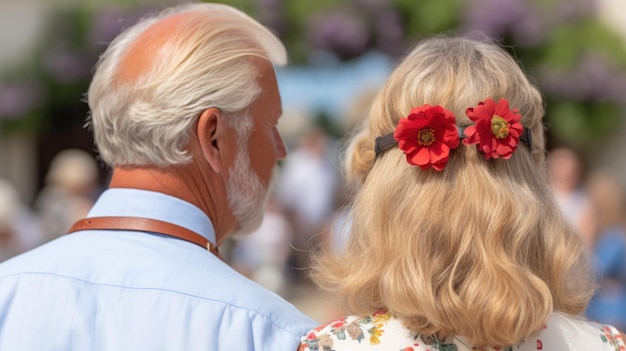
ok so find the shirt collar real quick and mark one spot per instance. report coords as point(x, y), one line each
point(154, 205)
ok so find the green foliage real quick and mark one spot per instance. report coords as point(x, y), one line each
point(243, 5)
point(582, 124)
point(568, 43)
point(425, 17)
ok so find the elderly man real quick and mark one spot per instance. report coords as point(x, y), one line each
point(184, 109)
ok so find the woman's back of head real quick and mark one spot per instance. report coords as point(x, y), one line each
point(478, 249)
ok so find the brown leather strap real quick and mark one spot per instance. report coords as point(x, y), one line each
point(144, 225)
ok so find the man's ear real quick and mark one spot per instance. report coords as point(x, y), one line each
point(210, 134)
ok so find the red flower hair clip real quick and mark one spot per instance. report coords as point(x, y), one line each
point(497, 129)
point(428, 133)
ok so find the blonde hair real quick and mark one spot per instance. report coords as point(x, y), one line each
point(207, 63)
point(479, 249)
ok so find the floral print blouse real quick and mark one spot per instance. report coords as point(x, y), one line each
point(381, 331)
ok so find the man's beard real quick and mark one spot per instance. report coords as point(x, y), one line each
point(247, 197)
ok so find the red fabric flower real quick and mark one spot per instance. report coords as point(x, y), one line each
point(427, 135)
point(337, 324)
point(379, 312)
point(497, 128)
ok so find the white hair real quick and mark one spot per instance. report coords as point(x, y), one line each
point(208, 63)
point(246, 194)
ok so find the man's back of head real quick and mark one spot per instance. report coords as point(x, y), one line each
point(157, 76)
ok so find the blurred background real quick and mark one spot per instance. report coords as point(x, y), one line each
point(340, 53)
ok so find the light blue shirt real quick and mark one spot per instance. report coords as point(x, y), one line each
point(125, 290)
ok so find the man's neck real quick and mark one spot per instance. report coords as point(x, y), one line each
point(186, 182)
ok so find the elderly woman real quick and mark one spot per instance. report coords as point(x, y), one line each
point(456, 241)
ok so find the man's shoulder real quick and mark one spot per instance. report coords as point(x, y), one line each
point(173, 269)
point(242, 295)
point(22, 263)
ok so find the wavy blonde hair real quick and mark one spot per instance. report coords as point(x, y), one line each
point(480, 249)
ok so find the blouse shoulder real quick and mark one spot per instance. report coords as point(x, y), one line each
point(565, 332)
point(378, 331)
point(382, 331)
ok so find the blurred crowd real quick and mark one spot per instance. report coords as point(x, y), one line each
point(306, 209)
point(70, 189)
point(595, 202)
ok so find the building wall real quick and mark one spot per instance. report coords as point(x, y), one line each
point(20, 23)
point(613, 13)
